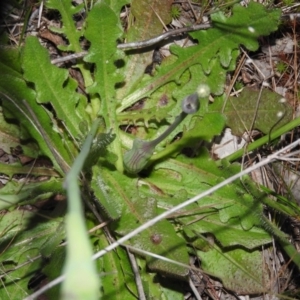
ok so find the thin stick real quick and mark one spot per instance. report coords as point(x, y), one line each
point(137, 276)
point(138, 45)
point(68, 57)
point(194, 289)
point(40, 14)
point(157, 256)
point(155, 40)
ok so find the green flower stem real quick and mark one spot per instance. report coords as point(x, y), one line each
point(78, 266)
point(137, 158)
point(264, 140)
point(170, 129)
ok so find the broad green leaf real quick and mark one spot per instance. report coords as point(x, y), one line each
point(269, 110)
point(53, 269)
point(103, 30)
point(115, 281)
point(18, 168)
point(104, 187)
point(160, 238)
point(197, 175)
point(53, 241)
point(21, 244)
point(162, 289)
point(14, 284)
point(128, 274)
point(138, 208)
point(17, 193)
point(52, 85)
point(228, 234)
point(9, 138)
point(241, 271)
point(232, 203)
point(228, 201)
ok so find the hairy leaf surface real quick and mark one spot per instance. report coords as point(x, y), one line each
point(269, 109)
point(245, 272)
point(137, 208)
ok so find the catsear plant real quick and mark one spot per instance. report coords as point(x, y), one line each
point(43, 106)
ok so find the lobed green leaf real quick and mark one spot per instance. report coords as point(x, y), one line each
point(103, 30)
point(222, 42)
point(52, 85)
point(14, 91)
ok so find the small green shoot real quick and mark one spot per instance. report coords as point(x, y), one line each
point(175, 12)
point(281, 67)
